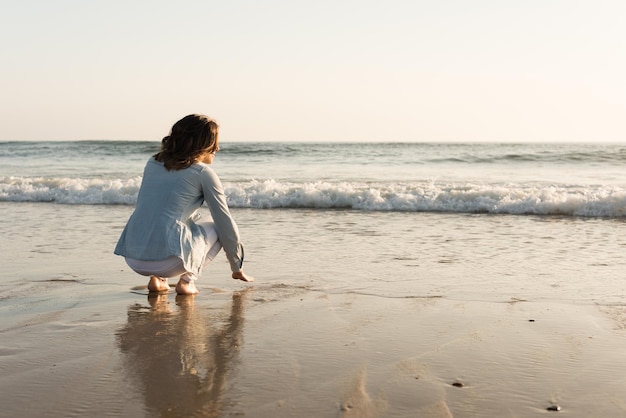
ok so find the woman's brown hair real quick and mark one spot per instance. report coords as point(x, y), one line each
point(189, 138)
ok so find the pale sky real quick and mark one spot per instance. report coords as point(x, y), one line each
point(323, 70)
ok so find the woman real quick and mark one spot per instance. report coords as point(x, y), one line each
point(164, 236)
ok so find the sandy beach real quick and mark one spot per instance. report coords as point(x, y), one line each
point(81, 336)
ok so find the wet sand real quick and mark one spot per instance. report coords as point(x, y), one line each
point(81, 336)
point(276, 350)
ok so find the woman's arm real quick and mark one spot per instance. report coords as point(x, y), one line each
point(227, 230)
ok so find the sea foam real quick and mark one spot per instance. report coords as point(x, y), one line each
point(70, 190)
point(431, 196)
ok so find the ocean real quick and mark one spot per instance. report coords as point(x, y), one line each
point(538, 220)
point(392, 279)
point(580, 180)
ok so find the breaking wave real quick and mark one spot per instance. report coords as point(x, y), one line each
point(431, 196)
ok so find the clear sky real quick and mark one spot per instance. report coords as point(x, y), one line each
point(323, 70)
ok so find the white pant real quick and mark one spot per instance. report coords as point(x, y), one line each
point(173, 266)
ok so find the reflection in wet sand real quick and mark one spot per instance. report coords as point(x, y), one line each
point(180, 356)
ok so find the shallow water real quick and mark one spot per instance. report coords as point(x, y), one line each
point(457, 256)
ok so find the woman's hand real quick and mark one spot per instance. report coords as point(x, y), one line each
point(240, 275)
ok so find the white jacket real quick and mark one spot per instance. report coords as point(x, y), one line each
point(164, 221)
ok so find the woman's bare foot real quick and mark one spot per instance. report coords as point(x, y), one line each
point(158, 284)
point(240, 275)
point(184, 287)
